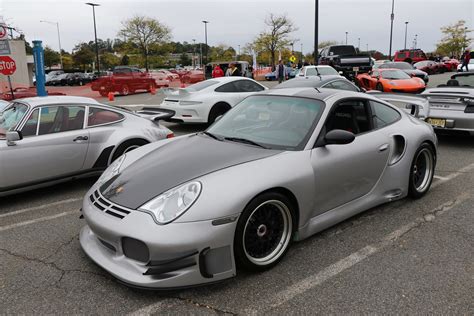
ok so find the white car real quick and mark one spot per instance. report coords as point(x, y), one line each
point(322, 70)
point(203, 102)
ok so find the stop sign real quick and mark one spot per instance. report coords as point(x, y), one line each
point(7, 65)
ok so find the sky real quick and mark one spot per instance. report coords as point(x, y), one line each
point(236, 23)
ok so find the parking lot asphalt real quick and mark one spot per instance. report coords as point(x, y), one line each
point(405, 257)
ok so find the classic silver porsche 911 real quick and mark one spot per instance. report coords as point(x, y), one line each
point(280, 166)
point(45, 140)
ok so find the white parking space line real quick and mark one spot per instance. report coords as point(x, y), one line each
point(42, 207)
point(41, 219)
point(441, 178)
point(333, 270)
point(147, 310)
point(453, 175)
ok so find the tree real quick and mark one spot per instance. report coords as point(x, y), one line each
point(109, 60)
point(83, 55)
point(277, 35)
point(327, 43)
point(51, 57)
point(144, 33)
point(184, 59)
point(125, 60)
point(455, 39)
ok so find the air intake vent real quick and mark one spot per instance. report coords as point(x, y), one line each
point(107, 207)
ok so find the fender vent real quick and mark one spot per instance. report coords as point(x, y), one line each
point(398, 149)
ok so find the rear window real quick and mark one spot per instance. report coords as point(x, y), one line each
point(342, 50)
point(201, 85)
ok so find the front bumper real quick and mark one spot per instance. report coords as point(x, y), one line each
point(138, 252)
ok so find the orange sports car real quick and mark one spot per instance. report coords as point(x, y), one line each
point(390, 80)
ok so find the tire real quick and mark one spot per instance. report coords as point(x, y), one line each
point(257, 245)
point(217, 110)
point(127, 146)
point(124, 90)
point(421, 171)
point(379, 87)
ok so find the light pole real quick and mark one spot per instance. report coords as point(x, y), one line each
point(316, 22)
point(415, 41)
point(194, 53)
point(93, 5)
point(358, 45)
point(301, 60)
point(59, 41)
point(392, 17)
point(406, 31)
point(239, 53)
point(205, 36)
point(367, 47)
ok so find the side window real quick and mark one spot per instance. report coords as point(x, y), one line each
point(61, 119)
point(228, 87)
point(29, 129)
point(341, 85)
point(98, 116)
point(247, 86)
point(383, 115)
point(350, 116)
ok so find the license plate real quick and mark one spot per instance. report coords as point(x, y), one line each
point(355, 68)
point(437, 122)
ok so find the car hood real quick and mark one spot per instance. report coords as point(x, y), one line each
point(175, 163)
point(403, 82)
point(414, 72)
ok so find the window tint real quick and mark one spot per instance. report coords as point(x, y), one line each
point(99, 116)
point(29, 129)
point(247, 86)
point(61, 119)
point(383, 115)
point(350, 116)
point(341, 85)
point(228, 87)
point(201, 85)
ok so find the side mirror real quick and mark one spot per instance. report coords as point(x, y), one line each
point(339, 137)
point(12, 137)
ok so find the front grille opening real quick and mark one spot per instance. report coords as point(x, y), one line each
point(100, 207)
point(107, 207)
point(135, 249)
point(115, 214)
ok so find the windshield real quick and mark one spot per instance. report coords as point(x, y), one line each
point(10, 117)
point(201, 85)
point(400, 65)
point(342, 50)
point(276, 122)
point(463, 80)
point(394, 74)
point(323, 71)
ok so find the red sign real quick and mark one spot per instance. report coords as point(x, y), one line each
point(3, 31)
point(7, 65)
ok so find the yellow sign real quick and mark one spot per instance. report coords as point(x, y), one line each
point(292, 58)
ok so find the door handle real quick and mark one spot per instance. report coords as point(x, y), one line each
point(78, 138)
point(384, 147)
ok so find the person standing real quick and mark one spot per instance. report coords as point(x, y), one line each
point(234, 71)
point(217, 72)
point(466, 57)
point(280, 71)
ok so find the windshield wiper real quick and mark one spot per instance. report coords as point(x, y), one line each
point(245, 141)
point(213, 136)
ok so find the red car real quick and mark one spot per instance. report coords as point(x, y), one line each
point(125, 80)
point(161, 80)
point(390, 80)
point(450, 64)
point(409, 55)
point(193, 76)
point(170, 75)
point(22, 92)
point(430, 67)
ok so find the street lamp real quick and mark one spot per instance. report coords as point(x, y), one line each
point(346, 37)
point(205, 35)
point(93, 5)
point(59, 41)
point(194, 53)
point(392, 16)
point(301, 60)
point(367, 47)
point(358, 45)
point(406, 30)
point(239, 52)
point(316, 20)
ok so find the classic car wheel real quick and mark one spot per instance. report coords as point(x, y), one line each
point(264, 231)
point(379, 87)
point(125, 90)
point(127, 146)
point(421, 171)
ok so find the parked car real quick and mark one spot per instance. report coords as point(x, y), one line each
point(280, 167)
point(170, 76)
point(415, 105)
point(450, 64)
point(125, 80)
point(451, 109)
point(390, 80)
point(23, 92)
point(161, 80)
point(345, 59)
point(407, 68)
point(321, 70)
point(56, 80)
point(430, 67)
point(203, 102)
point(193, 76)
point(331, 82)
point(410, 55)
point(46, 140)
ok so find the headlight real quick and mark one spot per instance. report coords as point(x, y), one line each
point(111, 171)
point(170, 205)
point(189, 102)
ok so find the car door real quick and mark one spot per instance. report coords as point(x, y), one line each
point(54, 145)
point(344, 173)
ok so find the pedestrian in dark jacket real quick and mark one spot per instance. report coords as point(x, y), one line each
point(234, 71)
point(466, 57)
point(280, 71)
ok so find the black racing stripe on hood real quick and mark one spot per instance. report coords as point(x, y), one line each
point(175, 163)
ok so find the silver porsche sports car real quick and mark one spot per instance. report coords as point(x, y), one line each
point(44, 140)
point(279, 167)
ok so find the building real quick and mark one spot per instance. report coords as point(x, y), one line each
point(23, 76)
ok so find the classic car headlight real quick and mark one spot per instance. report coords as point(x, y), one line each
point(111, 171)
point(189, 102)
point(168, 206)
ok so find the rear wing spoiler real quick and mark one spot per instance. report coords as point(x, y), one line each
point(155, 114)
point(413, 102)
point(174, 91)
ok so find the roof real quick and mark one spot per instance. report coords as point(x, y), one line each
point(229, 78)
point(314, 81)
point(318, 94)
point(60, 99)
